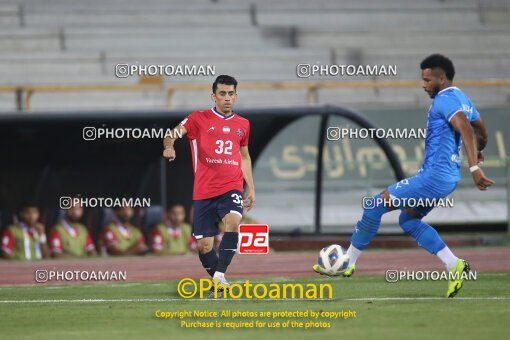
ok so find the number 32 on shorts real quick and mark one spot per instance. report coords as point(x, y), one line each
point(237, 199)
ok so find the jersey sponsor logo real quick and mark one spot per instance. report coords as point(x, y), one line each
point(253, 239)
point(456, 158)
point(226, 129)
point(221, 161)
point(211, 129)
point(239, 132)
point(467, 108)
point(402, 182)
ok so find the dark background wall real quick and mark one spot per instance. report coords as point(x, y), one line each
point(44, 156)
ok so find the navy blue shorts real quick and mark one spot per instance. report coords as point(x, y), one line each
point(209, 212)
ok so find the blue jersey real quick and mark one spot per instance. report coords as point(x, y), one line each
point(442, 144)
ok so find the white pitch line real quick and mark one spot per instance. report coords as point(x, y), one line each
point(244, 299)
point(151, 300)
point(427, 298)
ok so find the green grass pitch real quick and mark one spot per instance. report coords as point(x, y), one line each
point(401, 310)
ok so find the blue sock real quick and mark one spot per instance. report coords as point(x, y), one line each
point(228, 248)
point(426, 236)
point(209, 261)
point(367, 227)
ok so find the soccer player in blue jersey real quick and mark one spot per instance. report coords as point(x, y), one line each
point(452, 121)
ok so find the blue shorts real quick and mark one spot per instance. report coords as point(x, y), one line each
point(420, 187)
point(209, 212)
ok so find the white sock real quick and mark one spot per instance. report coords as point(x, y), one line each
point(447, 257)
point(219, 275)
point(353, 253)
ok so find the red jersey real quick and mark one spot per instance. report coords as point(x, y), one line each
point(215, 142)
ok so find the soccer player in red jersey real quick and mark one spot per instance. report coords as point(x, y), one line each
point(221, 163)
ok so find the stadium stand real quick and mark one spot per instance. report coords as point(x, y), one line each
point(58, 42)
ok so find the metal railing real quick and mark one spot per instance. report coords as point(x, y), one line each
point(25, 93)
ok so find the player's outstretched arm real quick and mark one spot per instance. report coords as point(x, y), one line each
point(481, 137)
point(138, 248)
point(168, 142)
point(461, 124)
point(248, 176)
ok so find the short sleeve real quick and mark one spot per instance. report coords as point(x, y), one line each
point(447, 106)
point(108, 237)
point(56, 242)
point(89, 244)
point(156, 239)
point(190, 123)
point(7, 241)
point(246, 136)
point(475, 114)
point(141, 239)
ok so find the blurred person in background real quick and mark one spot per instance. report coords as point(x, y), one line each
point(121, 238)
point(452, 122)
point(70, 238)
point(173, 235)
point(26, 239)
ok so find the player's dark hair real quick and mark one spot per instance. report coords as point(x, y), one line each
point(172, 205)
point(439, 61)
point(120, 207)
point(225, 80)
point(26, 204)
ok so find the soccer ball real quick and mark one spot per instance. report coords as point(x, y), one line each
point(333, 260)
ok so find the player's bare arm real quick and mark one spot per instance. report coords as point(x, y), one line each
point(481, 137)
point(61, 255)
point(168, 142)
point(461, 124)
point(158, 252)
point(135, 249)
point(92, 253)
point(248, 177)
point(65, 255)
point(6, 255)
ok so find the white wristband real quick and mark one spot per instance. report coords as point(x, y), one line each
point(474, 168)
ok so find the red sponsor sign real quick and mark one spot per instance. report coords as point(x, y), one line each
point(253, 239)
